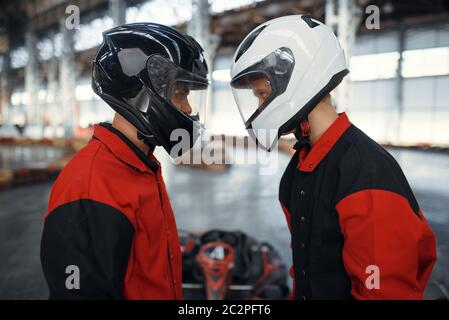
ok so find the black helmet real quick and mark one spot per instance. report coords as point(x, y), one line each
point(157, 79)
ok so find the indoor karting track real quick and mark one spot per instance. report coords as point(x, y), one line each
point(236, 199)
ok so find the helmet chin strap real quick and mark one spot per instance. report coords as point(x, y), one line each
point(146, 140)
point(303, 134)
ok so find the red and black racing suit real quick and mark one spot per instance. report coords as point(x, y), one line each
point(110, 216)
point(352, 215)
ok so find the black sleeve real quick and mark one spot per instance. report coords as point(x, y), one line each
point(94, 237)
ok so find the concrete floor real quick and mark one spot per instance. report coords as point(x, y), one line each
point(236, 199)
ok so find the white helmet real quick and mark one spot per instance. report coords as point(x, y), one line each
point(302, 61)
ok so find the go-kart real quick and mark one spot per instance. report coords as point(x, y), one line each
point(220, 265)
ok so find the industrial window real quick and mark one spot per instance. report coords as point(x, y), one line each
point(425, 62)
point(222, 75)
point(19, 57)
point(91, 34)
point(374, 66)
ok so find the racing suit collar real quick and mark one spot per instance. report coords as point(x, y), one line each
point(324, 144)
point(124, 149)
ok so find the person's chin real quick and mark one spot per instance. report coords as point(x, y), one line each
point(287, 133)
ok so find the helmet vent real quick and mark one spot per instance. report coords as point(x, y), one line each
point(308, 19)
point(247, 43)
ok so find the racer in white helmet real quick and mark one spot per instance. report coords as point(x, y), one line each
point(356, 228)
point(299, 60)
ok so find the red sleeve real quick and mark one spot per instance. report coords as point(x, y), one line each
point(291, 270)
point(381, 229)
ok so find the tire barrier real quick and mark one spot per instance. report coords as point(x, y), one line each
point(72, 143)
point(10, 178)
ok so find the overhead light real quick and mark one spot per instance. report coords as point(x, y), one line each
point(388, 7)
point(223, 75)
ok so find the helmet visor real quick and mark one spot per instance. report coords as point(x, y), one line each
point(183, 90)
point(255, 87)
point(252, 92)
point(190, 98)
